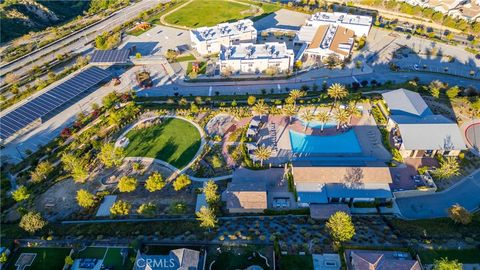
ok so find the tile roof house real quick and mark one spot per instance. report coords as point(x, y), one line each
point(341, 184)
point(178, 259)
point(419, 131)
point(380, 260)
point(246, 197)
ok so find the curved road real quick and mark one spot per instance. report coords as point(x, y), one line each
point(21, 65)
point(466, 193)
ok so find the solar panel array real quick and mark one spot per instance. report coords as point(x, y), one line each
point(42, 105)
point(110, 56)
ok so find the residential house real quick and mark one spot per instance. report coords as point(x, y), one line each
point(208, 40)
point(317, 185)
point(177, 259)
point(417, 131)
point(380, 260)
point(246, 197)
point(249, 58)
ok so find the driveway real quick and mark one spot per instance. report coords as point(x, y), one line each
point(466, 193)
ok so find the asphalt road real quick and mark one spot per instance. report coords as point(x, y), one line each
point(22, 65)
point(466, 193)
point(252, 87)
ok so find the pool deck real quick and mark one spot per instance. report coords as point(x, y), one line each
point(365, 128)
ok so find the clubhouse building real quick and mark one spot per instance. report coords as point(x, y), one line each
point(418, 132)
point(320, 185)
point(208, 40)
point(325, 34)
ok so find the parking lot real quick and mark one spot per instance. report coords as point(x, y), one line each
point(157, 40)
point(413, 53)
point(283, 19)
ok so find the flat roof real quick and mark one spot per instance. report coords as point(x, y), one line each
point(353, 175)
point(224, 30)
point(341, 17)
point(245, 51)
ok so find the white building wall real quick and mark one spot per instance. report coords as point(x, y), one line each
point(258, 65)
point(359, 29)
point(213, 46)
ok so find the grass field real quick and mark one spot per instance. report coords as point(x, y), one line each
point(208, 13)
point(175, 141)
point(47, 258)
point(463, 255)
point(295, 262)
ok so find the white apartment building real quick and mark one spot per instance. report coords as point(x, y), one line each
point(357, 23)
point(208, 40)
point(249, 58)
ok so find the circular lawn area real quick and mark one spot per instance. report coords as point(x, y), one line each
point(175, 141)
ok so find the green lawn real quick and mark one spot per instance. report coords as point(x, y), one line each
point(47, 258)
point(463, 255)
point(295, 262)
point(208, 13)
point(184, 58)
point(175, 141)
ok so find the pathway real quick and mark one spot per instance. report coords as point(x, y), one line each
point(176, 171)
point(162, 18)
point(435, 205)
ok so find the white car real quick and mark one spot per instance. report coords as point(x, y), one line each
point(415, 67)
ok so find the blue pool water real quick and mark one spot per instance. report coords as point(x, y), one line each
point(318, 124)
point(342, 143)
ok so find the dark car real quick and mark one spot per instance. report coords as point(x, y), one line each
point(477, 56)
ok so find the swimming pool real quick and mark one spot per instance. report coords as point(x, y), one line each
point(339, 144)
point(318, 124)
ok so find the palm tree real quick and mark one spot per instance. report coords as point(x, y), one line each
point(260, 108)
point(263, 153)
point(341, 116)
point(337, 91)
point(289, 110)
point(296, 94)
point(352, 111)
point(306, 117)
point(323, 117)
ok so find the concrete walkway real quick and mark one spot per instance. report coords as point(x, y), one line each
point(466, 193)
point(174, 169)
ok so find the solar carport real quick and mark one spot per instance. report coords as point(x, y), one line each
point(43, 105)
point(110, 57)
